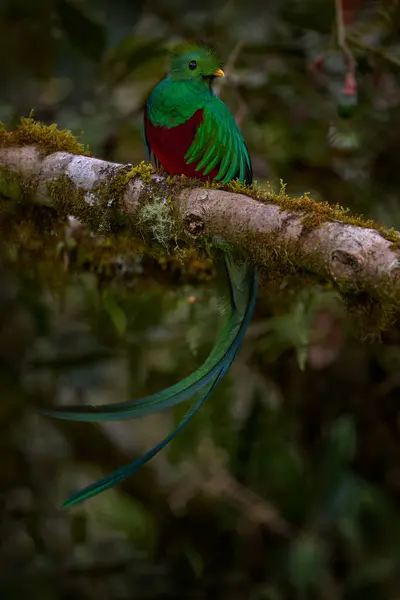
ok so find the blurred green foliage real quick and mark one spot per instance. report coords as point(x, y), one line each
point(287, 484)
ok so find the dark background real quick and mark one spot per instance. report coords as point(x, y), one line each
point(287, 484)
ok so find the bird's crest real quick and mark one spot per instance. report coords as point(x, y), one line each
point(190, 46)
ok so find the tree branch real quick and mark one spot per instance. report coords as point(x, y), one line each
point(280, 233)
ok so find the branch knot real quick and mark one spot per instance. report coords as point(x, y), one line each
point(345, 264)
point(193, 224)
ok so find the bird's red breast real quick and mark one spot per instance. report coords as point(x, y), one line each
point(170, 144)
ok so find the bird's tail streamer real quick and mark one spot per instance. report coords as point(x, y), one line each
point(241, 281)
point(242, 292)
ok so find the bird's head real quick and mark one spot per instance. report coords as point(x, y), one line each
point(194, 62)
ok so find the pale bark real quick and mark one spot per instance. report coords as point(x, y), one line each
point(358, 258)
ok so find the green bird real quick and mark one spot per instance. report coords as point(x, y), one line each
point(188, 130)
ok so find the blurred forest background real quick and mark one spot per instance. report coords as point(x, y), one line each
point(287, 484)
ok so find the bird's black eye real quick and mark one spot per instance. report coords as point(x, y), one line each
point(192, 65)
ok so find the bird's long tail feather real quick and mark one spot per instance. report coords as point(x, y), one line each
point(123, 472)
point(242, 285)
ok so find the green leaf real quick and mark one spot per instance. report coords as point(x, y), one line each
point(195, 560)
point(117, 314)
point(307, 559)
point(343, 439)
point(128, 515)
point(86, 35)
point(336, 486)
point(293, 329)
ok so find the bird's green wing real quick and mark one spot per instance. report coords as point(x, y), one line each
point(219, 144)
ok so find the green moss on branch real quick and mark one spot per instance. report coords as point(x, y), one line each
point(48, 138)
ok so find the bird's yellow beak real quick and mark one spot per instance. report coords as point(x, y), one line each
point(219, 73)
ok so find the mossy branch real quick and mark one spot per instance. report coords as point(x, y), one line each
point(283, 234)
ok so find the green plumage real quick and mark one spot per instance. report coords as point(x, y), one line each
point(190, 131)
point(212, 141)
point(218, 141)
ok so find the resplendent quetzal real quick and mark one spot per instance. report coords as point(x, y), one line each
point(190, 131)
